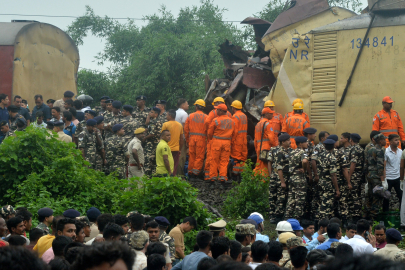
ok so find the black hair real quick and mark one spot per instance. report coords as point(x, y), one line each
point(16, 240)
point(120, 219)
point(380, 227)
point(148, 219)
point(73, 111)
point(346, 135)
point(323, 223)
point(56, 109)
point(137, 221)
point(72, 251)
point(224, 258)
point(204, 238)
point(392, 136)
point(236, 249)
point(3, 96)
point(59, 244)
point(199, 107)
point(62, 222)
point(99, 253)
point(20, 258)
point(25, 214)
point(172, 113)
point(17, 96)
point(267, 266)
point(152, 224)
point(259, 251)
point(219, 246)
point(39, 114)
point(373, 133)
point(102, 220)
point(298, 256)
point(59, 264)
point(246, 249)
point(329, 146)
point(156, 110)
point(369, 262)
point(275, 252)
point(112, 230)
point(35, 234)
point(79, 226)
point(38, 97)
point(24, 101)
point(351, 226)
point(128, 110)
point(69, 102)
point(20, 124)
point(322, 134)
point(305, 223)
point(333, 229)
point(192, 221)
point(206, 263)
point(240, 237)
point(78, 104)
point(55, 221)
point(343, 251)
point(362, 226)
point(335, 220)
point(231, 266)
point(156, 262)
point(13, 222)
point(181, 101)
point(156, 248)
point(244, 256)
point(68, 115)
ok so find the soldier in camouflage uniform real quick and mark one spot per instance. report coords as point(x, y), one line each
point(88, 140)
point(327, 180)
point(130, 124)
point(152, 140)
point(246, 230)
point(7, 212)
point(298, 164)
point(164, 237)
point(141, 112)
point(14, 116)
point(273, 182)
point(108, 117)
point(356, 158)
point(316, 199)
point(115, 150)
point(100, 159)
point(6, 129)
point(115, 118)
point(45, 217)
point(310, 133)
point(282, 175)
point(89, 114)
point(161, 104)
point(375, 175)
point(100, 110)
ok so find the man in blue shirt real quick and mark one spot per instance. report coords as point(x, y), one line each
point(260, 227)
point(190, 262)
point(21, 110)
point(41, 107)
point(308, 229)
point(334, 234)
point(4, 116)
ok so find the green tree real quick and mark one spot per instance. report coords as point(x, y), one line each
point(94, 83)
point(166, 59)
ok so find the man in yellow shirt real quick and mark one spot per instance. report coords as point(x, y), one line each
point(164, 158)
point(177, 140)
point(45, 242)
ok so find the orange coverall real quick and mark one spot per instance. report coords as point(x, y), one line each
point(208, 120)
point(294, 126)
point(289, 114)
point(239, 143)
point(389, 123)
point(269, 140)
point(220, 132)
point(277, 123)
point(196, 138)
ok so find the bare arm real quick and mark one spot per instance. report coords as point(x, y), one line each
point(335, 184)
point(180, 252)
point(402, 169)
point(281, 176)
point(352, 168)
point(167, 166)
point(315, 171)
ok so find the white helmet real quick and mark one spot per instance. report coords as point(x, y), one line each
point(284, 226)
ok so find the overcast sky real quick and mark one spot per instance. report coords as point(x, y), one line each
point(237, 11)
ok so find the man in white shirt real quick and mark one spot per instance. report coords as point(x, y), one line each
point(392, 162)
point(181, 114)
point(360, 245)
point(350, 232)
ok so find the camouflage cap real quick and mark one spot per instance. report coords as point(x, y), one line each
point(295, 242)
point(400, 256)
point(7, 210)
point(335, 244)
point(379, 137)
point(139, 239)
point(132, 212)
point(85, 220)
point(246, 229)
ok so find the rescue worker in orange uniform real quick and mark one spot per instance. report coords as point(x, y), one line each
point(277, 121)
point(196, 138)
point(295, 124)
point(265, 138)
point(221, 133)
point(239, 143)
point(387, 121)
point(292, 112)
point(213, 114)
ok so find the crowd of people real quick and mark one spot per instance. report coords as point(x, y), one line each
point(305, 180)
point(136, 242)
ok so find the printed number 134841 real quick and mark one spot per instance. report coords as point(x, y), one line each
point(375, 42)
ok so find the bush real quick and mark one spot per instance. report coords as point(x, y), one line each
point(250, 195)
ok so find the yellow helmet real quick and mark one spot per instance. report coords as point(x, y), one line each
point(298, 106)
point(297, 100)
point(237, 104)
point(218, 99)
point(200, 102)
point(269, 103)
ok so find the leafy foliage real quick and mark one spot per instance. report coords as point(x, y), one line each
point(250, 195)
point(93, 83)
